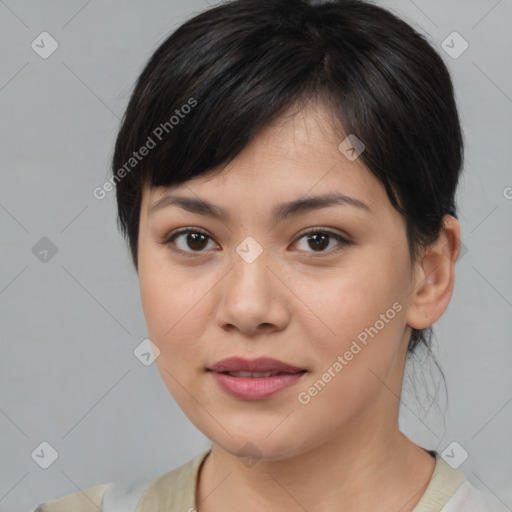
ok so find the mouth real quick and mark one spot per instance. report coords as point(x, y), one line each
point(258, 375)
point(260, 367)
point(256, 379)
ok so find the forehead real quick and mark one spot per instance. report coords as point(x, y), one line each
point(296, 155)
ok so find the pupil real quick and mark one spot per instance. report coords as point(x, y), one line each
point(319, 235)
point(193, 239)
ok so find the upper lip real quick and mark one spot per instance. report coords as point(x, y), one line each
point(262, 364)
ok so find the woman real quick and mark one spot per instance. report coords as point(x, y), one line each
point(285, 177)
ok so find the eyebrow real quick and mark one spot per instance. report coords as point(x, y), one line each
point(280, 211)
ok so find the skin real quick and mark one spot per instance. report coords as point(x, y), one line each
point(300, 303)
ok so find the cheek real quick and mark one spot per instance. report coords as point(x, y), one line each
point(347, 300)
point(172, 313)
point(360, 318)
point(353, 365)
point(173, 305)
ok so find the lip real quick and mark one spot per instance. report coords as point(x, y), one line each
point(261, 364)
point(254, 388)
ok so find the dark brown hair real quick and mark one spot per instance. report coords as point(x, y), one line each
point(229, 71)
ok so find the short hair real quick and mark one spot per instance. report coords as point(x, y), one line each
point(231, 70)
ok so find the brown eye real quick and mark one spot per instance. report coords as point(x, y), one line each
point(188, 240)
point(196, 241)
point(318, 241)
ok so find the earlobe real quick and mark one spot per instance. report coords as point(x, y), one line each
point(434, 277)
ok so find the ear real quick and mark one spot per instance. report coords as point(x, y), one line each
point(434, 277)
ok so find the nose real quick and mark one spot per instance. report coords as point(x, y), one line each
point(253, 297)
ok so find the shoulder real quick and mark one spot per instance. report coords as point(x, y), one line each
point(174, 490)
point(466, 499)
point(450, 491)
point(86, 500)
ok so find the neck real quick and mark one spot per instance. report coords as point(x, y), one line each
point(377, 469)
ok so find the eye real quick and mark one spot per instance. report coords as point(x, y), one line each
point(196, 240)
point(318, 239)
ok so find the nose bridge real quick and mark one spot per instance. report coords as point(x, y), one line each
point(250, 266)
point(249, 297)
point(250, 250)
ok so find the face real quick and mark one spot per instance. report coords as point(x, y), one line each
point(323, 287)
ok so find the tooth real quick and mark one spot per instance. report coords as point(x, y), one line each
point(243, 374)
point(252, 374)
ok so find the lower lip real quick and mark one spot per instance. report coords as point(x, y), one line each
point(255, 388)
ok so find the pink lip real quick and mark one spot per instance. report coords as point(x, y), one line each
point(254, 388)
point(262, 364)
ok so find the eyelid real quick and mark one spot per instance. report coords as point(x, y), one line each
point(343, 239)
point(169, 238)
point(325, 229)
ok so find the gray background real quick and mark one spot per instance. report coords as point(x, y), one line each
point(69, 325)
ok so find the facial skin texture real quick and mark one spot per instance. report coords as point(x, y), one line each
point(300, 304)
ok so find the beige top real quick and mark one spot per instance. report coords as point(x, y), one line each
point(448, 490)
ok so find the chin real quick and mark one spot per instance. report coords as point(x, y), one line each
point(253, 448)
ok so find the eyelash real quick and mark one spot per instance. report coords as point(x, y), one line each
point(169, 239)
